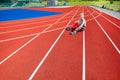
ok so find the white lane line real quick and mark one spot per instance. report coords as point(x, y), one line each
point(24, 29)
point(32, 39)
point(83, 59)
point(38, 27)
point(25, 24)
point(108, 19)
point(108, 37)
point(29, 21)
point(31, 35)
point(114, 45)
point(15, 38)
point(46, 55)
point(18, 49)
point(40, 32)
point(29, 28)
point(94, 17)
point(107, 13)
point(111, 22)
point(89, 14)
point(44, 58)
point(83, 56)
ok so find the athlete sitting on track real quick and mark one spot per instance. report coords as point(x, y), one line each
point(78, 25)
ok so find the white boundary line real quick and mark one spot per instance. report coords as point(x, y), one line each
point(94, 17)
point(34, 33)
point(24, 29)
point(27, 20)
point(29, 28)
point(32, 39)
point(83, 55)
point(84, 59)
point(111, 22)
point(117, 49)
point(31, 19)
point(31, 35)
point(23, 24)
point(88, 14)
point(108, 37)
point(41, 62)
point(28, 23)
point(106, 13)
point(108, 19)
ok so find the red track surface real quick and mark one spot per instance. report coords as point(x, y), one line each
point(41, 49)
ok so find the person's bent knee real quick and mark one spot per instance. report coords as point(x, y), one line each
point(68, 28)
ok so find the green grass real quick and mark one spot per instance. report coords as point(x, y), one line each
point(93, 2)
point(87, 2)
point(112, 7)
point(115, 6)
point(34, 4)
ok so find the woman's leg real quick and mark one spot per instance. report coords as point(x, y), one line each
point(73, 27)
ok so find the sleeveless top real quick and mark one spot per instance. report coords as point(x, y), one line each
point(80, 21)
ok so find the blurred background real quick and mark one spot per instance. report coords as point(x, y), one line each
point(113, 5)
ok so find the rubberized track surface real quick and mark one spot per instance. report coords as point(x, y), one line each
point(41, 48)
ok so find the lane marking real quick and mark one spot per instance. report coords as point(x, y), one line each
point(30, 35)
point(40, 32)
point(23, 24)
point(114, 45)
point(89, 14)
point(111, 22)
point(44, 58)
point(23, 29)
point(107, 13)
point(29, 20)
point(83, 55)
point(109, 19)
point(84, 59)
point(29, 28)
point(108, 37)
point(38, 26)
point(32, 39)
point(94, 17)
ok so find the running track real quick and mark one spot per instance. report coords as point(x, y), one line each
point(41, 48)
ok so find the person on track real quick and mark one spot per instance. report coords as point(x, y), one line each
point(78, 25)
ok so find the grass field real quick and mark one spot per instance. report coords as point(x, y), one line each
point(115, 6)
point(93, 2)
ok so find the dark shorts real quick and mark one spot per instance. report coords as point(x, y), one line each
point(84, 27)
